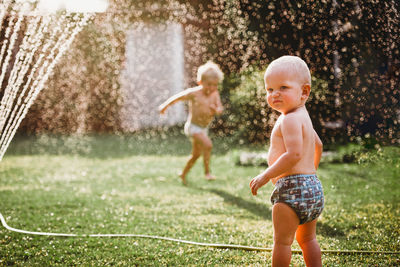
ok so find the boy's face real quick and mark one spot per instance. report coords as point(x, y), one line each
point(285, 92)
point(210, 83)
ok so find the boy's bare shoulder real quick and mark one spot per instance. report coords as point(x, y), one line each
point(190, 92)
point(292, 121)
point(194, 89)
point(292, 117)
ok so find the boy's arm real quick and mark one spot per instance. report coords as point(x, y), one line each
point(184, 95)
point(291, 129)
point(218, 105)
point(318, 150)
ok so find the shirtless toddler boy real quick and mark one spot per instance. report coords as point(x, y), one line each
point(204, 104)
point(293, 158)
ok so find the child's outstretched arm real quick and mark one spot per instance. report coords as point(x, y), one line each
point(184, 95)
point(292, 134)
point(318, 150)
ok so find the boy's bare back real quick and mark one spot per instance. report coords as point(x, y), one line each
point(295, 146)
point(297, 123)
point(293, 157)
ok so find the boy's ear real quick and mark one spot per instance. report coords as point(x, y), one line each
point(306, 89)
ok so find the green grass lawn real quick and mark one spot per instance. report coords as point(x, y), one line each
point(111, 184)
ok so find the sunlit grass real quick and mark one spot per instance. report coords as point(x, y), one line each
point(130, 185)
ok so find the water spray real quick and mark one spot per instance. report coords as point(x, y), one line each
point(46, 37)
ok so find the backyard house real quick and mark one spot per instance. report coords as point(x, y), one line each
point(154, 70)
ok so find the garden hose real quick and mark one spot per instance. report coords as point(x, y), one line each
point(212, 245)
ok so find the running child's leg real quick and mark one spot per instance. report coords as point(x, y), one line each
point(206, 147)
point(196, 153)
point(306, 237)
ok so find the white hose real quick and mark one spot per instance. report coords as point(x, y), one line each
point(213, 245)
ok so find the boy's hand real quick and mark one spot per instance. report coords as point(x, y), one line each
point(257, 182)
point(213, 109)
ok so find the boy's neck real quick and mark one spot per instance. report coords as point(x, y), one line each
point(206, 92)
point(301, 106)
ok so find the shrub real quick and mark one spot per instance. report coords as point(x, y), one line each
point(250, 119)
point(249, 111)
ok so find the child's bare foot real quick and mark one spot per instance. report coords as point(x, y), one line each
point(210, 177)
point(183, 178)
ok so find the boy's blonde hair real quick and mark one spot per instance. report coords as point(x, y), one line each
point(210, 66)
point(294, 64)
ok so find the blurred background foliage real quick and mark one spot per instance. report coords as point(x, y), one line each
point(351, 48)
point(250, 120)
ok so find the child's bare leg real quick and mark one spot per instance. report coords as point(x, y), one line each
point(196, 153)
point(306, 237)
point(285, 224)
point(206, 146)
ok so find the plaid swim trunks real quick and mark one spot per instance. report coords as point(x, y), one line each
point(303, 193)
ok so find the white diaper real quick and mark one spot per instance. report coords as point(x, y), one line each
point(191, 129)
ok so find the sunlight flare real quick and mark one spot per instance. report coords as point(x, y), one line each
point(73, 5)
